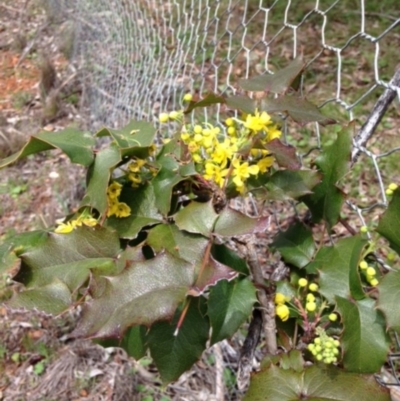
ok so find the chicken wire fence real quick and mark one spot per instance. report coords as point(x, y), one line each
point(137, 58)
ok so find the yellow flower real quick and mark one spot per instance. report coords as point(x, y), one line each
point(257, 122)
point(114, 190)
point(282, 311)
point(136, 164)
point(280, 298)
point(273, 133)
point(185, 136)
point(64, 228)
point(223, 151)
point(193, 147)
point(89, 221)
point(198, 129)
point(163, 118)
point(230, 122)
point(135, 179)
point(112, 207)
point(242, 171)
point(215, 173)
point(302, 282)
point(188, 97)
point(122, 210)
point(265, 163)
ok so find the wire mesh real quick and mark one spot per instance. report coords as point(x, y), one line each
point(139, 57)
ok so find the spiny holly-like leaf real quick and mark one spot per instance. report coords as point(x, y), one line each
point(338, 268)
point(296, 245)
point(134, 139)
point(230, 258)
point(190, 247)
point(326, 200)
point(364, 339)
point(389, 224)
point(75, 144)
point(143, 211)
point(388, 301)
point(314, 384)
point(53, 298)
point(99, 177)
point(285, 155)
point(279, 82)
point(64, 261)
point(174, 353)
point(208, 100)
point(242, 103)
point(231, 222)
point(193, 248)
point(229, 305)
point(211, 272)
point(300, 109)
point(197, 218)
point(142, 294)
point(286, 184)
point(16, 245)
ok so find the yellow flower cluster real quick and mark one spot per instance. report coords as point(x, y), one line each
point(116, 208)
point(85, 219)
point(369, 272)
point(220, 158)
point(324, 348)
point(282, 310)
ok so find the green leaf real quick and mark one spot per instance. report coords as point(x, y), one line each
point(326, 201)
point(16, 245)
point(388, 301)
point(174, 354)
point(242, 103)
point(208, 100)
point(75, 144)
point(209, 274)
point(53, 298)
point(134, 139)
point(389, 224)
point(314, 384)
point(365, 341)
point(232, 222)
point(197, 218)
point(229, 305)
point(300, 109)
point(143, 211)
point(63, 262)
point(279, 82)
point(338, 268)
point(99, 177)
point(296, 245)
point(190, 247)
point(230, 258)
point(164, 182)
point(193, 249)
point(285, 155)
point(145, 292)
point(285, 184)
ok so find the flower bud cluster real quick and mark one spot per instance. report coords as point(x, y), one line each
point(324, 348)
point(369, 273)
